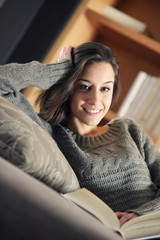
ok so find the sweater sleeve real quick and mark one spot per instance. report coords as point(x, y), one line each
point(14, 77)
point(151, 156)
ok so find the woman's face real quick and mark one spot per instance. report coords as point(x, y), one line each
point(92, 97)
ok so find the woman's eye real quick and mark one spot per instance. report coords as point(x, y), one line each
point(105, 89)
point(83, 87)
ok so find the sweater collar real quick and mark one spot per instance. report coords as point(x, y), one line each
point(115, 130)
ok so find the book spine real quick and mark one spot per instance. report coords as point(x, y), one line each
point(141, 77)
point(124, 19)
point(153, 116)
point(145, 111)
point(142, 102)
point(141, 97)
point(156, 128)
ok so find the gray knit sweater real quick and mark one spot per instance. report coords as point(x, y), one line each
point(121, 166)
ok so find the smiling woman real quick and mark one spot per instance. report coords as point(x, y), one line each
point(85, 58)
point(118, 161)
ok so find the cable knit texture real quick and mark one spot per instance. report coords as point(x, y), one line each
point(122, 166)
point(15, 77)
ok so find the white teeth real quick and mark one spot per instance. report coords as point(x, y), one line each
point(92, 110)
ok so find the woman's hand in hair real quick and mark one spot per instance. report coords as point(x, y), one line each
point(65, 54)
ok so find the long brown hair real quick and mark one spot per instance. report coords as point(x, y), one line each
point(54, 103)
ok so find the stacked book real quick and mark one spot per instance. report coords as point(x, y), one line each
point(124, 19)
point(143, 102)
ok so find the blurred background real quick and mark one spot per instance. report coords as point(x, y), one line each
point(28, 28)
point(38, 29)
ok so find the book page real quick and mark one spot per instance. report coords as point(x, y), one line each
point(96, 206)
point(146, 225)
point(148, 238)
point(142, 226)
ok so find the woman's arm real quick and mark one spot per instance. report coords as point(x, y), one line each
point(15, 77)
point(151, 157)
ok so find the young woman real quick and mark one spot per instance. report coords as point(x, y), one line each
point(116, 161)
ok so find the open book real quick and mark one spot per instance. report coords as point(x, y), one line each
point(140, 227)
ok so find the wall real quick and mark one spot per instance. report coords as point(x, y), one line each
point(29, 27)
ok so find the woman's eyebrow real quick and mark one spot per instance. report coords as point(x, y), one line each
point(85, 80)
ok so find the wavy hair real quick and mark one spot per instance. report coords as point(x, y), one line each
point(54, 103)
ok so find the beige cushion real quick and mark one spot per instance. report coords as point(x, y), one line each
point(27, 145)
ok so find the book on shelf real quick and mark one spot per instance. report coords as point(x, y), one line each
point(149, 103)
point(140, 227)
point(125, 20)
point(141, 96)
point(142, 102)
point(152, 116)
point(130, 98)
point(156, 130)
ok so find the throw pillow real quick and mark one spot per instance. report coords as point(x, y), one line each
point(24, 143)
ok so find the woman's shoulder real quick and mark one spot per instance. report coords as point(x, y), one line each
point(124, 121)
point(129, 125)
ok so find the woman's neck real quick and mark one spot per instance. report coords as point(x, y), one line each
point(98, 131)
point(88, 131)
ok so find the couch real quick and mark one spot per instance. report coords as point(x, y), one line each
point(34, 174)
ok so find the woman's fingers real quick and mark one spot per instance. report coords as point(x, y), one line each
point(125, 217)
point(65, 53)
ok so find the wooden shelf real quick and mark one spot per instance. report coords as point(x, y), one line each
point(135, 51)
point(141, 45)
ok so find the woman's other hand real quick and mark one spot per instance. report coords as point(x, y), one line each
point(65, 54)
point(125, 217)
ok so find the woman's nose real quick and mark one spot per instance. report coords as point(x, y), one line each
point(93, 97)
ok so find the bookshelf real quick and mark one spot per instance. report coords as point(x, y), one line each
point(135, 51)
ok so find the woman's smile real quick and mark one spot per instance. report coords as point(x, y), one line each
point(92, 111)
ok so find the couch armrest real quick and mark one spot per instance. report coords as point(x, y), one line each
point(31, 210)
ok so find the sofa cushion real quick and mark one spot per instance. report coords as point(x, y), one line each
point(31, 210)
point(24, 143)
